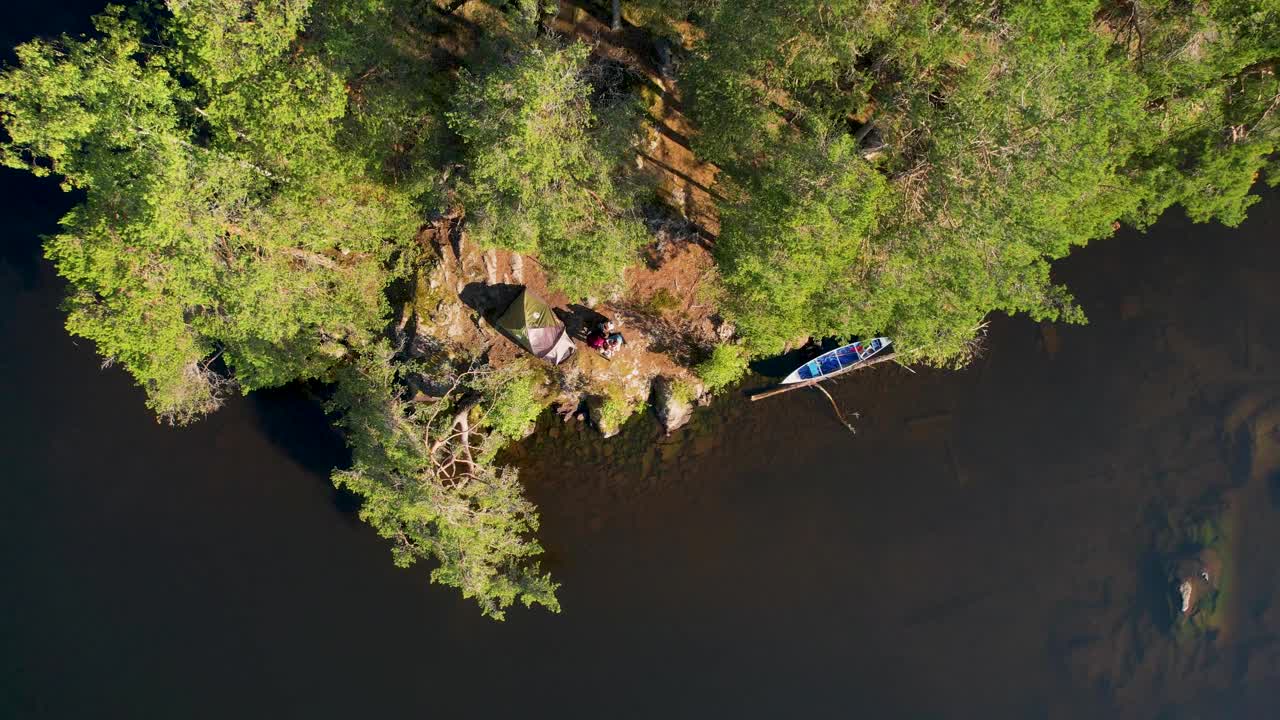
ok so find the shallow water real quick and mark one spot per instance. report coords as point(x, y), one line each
point(992, 542)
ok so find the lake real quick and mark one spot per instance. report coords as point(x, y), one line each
point(992, 543)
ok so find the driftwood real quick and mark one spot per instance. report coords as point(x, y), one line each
point(836, 407)
point(778, 390)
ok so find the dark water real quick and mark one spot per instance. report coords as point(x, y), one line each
point(989, 545)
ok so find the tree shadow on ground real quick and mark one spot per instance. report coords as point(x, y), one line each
point(489, 300)
point(579, 320)
point(667, 335)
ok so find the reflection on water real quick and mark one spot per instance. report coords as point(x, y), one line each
point(1003, 539)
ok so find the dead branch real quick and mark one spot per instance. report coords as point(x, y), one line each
point(836, 407)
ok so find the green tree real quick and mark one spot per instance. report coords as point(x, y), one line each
point(727, 365)
point(1009, 133)
point(424, 488)
point(232, 230)
point(224, 40)
point(536, 179)
point(793, 251)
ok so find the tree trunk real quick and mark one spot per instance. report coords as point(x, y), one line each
point(617, 15)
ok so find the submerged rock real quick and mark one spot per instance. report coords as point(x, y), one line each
point(1197, 580)
point(1188, 593)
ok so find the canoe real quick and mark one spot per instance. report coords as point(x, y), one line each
point(845, 357)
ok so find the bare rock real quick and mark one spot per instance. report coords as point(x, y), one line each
point(672, 403)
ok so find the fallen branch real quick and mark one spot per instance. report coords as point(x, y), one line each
point(836, 407)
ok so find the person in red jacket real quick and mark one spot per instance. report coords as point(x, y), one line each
point(598, 338)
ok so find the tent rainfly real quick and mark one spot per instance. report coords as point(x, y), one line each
point(530, 322)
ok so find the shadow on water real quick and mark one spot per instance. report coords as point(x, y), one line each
point(780, 366)
point(293, 419)
point(1155, 590)
point(21, 252)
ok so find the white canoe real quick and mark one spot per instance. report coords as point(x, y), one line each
point(843, 358)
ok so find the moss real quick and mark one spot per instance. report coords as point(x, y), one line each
point(614, 410)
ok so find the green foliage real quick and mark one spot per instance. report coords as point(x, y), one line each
point(536, 181)
point(414, 468)
point(662, 301)
point(224, 40)
point(612, 411)
point(681, 392)
point(726, 366)
point(219, 221)
point(792, 251)
point(1011, 133)
point(514, 397)
point(394, 120)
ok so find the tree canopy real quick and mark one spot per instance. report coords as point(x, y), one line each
point(221, 222)
point(537, 180)
point(1007, 134)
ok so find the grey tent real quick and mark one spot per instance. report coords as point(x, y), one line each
point(530, 322)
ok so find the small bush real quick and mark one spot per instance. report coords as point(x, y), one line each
point(515, 398)
point(682, 392)
point(663, 302)
point(613, 413)
point(727, 365)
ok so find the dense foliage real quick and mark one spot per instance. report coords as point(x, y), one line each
point(1006, 134)
point(221, 219)
point(254, 176)
point(427, 488)
point(538, 182)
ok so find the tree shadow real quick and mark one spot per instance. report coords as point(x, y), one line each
point(489, 300)
point(45, 203)
point(667, 335)
point(293, 419)
point(778, 366)
point(579, 319)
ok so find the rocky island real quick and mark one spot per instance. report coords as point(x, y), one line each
point(347, 192)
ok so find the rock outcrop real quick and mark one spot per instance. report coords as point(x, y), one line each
point(672, 403)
